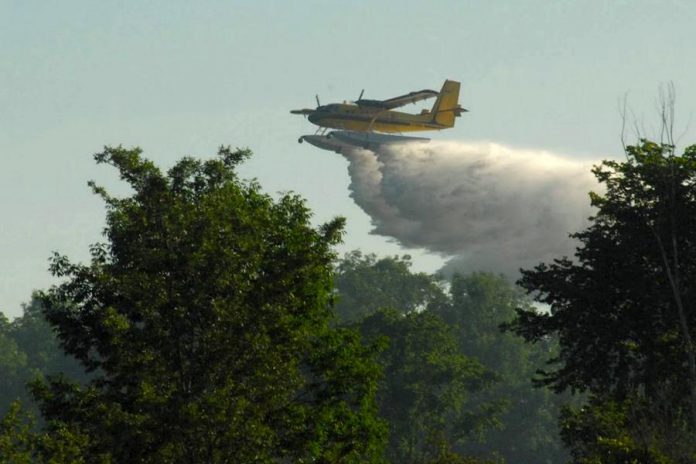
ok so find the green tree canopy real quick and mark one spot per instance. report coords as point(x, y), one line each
point(613, 307)
point(425, 394)
point(205, 321)
point(366, 284)
point(35, 338)
point(480, 303)
point(624, 310)
point(636, 429)
point(430, 328)
point(14, 371)
point(29, 349)
point(20, 444)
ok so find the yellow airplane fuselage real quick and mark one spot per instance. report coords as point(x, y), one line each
point(380, 116)
point(359, 119)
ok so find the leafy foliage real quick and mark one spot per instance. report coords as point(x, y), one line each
point(13, 365)
point(427, 385)
point(613, 308)
point(19, 444)
point(634, 430)
point(480, 304)
point(29, 349)
point(624, 311)
point(366, 284)
point(16, 440)
point(204, 319)
point(431, 401)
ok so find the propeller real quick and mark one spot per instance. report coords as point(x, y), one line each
point(361, 94)
point(306, 111)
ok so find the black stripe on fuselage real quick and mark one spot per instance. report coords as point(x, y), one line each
point(368, 118)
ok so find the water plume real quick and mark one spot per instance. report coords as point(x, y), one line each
point(487, 206)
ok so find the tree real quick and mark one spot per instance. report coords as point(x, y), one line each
point(426, 392)
point(480, 304)
point(20, 444)
point(13, 365)
point(366, 284)
point(29, 349)
point(37, 340)
point(17, 443)
point(624, 309)
point(634, 430)
point(204, 320)
point(521, 424)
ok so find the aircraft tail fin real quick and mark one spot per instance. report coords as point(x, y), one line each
point(447, 107)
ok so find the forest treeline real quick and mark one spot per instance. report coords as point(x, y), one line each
point(215, 324)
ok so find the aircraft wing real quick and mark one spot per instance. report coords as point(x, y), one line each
point(402, 100)
point(411, 97)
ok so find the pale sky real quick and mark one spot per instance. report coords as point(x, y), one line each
point(181, 78)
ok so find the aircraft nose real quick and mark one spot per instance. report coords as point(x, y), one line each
point(313, 118)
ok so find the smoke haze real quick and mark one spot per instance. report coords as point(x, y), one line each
point(490, 207)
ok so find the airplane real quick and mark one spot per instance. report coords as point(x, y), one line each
point(371, 116)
